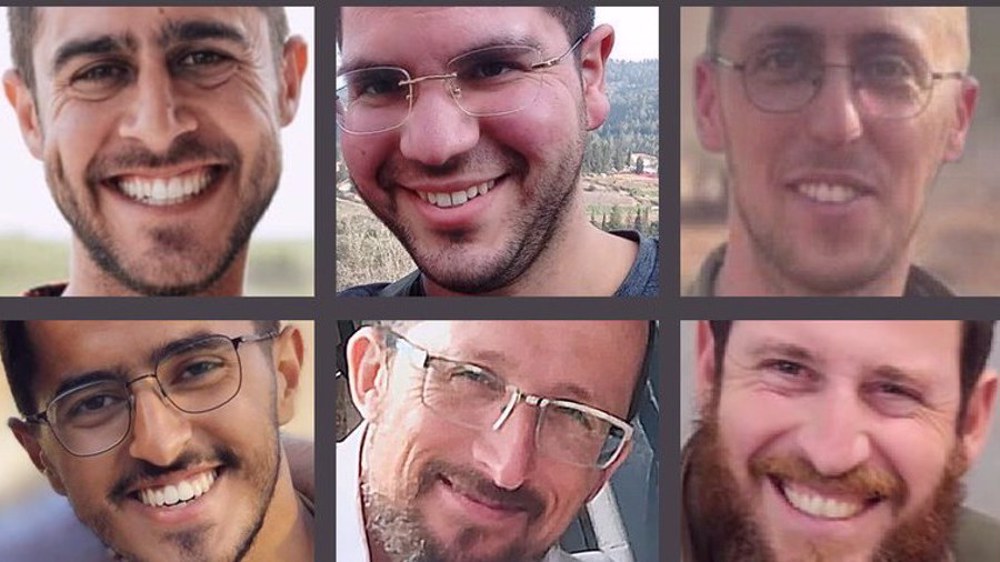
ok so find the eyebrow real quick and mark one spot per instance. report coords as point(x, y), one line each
point(96, 45)
point(788, 350)
point(199, 30)
point(196, 340)
point(502, 40)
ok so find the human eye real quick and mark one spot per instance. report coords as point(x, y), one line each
point(579, 418)
point(202, 58)
point(780, 63)
point(888, 70)
point(194, 371)
point(206, 67)
point(90, 406)
point(494, 64)
point(785, 374)
point(374, 85)
point(894, 398)
point(101, 78)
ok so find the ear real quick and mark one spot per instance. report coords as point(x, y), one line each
point(27, 436)
point(23, 102)
point(708, 112)
point(979, 415)
point(594, 53)
point(965, 105)
point(287, 354)
point(366, 373)
point(294, 60)
point(607, 472)
point(704, 365)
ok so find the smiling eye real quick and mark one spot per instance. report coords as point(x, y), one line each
point(100, 80)
point(202, 58)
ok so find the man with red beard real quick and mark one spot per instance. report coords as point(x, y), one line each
point(159, 130)
point(483, 440)
point(838, 441)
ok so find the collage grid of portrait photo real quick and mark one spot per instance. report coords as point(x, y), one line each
point(262, 400)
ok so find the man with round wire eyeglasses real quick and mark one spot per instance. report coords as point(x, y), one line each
point(834, 123)
point(464, 130)
point(164, 435)
point(483, 440)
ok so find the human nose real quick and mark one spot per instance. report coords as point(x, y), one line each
point(155, 116)
point(508, 452)
point(834, 437)
point(834, 115)
point(160, 431)
point(437, 129)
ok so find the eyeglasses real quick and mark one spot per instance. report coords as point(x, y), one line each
point(471, 396)
point(199, 376)
point(485, 82)
point(886, 85)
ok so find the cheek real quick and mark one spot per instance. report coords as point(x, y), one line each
point(918, 457)
point(364, 154)
point(75, 133)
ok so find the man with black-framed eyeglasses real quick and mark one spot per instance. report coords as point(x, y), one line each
point(834, 123)
point(483, 440)
point(163, 435)
point(464, 129)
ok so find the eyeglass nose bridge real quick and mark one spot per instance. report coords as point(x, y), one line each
point(159, 388)
point(515, 397)
point(449, 80)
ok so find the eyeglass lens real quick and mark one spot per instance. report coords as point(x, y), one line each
point(197, 378)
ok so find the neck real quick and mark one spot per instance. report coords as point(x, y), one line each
point(566, 266)
point(287, 531)
point(88, 279)
point(747, 273)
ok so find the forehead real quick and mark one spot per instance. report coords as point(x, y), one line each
point(928, 347)
point(63, 349)
point(592, 362)
point(930, 29)
point(387, 35)
point(144, 24)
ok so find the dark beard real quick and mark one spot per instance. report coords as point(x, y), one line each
point(722, 528)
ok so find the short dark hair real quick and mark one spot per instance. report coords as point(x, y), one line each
point(576, 20)
point(23, 22)
point(716, 20)
point(977, 340)
point(20, 363)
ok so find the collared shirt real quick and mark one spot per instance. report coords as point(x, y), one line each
point(919, 282)
point(352, 540)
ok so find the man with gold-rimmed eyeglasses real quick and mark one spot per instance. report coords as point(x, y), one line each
point(834, 123)
point(163, 435)
point(482, 440)
point(464, 130)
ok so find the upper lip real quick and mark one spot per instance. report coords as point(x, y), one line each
point(449, 186)
point(171, 478)
point(164, 173)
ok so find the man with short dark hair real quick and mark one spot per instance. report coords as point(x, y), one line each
point(163, 435)
point(483, 440)
point(838, 440)
point(159, 131)
point(834, 123)
point(469, 149)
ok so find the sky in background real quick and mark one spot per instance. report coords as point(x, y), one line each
point(27, 207)
point(637, 31)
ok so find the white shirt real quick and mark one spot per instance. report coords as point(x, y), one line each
point(352, 542)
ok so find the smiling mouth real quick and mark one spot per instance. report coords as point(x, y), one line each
point(457, 198)
point(172, 190)
point(178, 494)
point(820, 506)
point(825, 192)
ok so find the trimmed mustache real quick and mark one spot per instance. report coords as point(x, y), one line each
point(187, 148)
point(468, 481)
point(860, 481)
point(144, 470)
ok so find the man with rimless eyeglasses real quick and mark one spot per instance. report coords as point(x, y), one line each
point(164, 435)
point(483, 440)
point(463, 129)
point(834, 123)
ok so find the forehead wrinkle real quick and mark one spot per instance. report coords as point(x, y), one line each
point(179, 31)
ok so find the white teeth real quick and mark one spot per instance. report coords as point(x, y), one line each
point(819, 506)
point(828, 192)
point(456, 198)
point(183, 491)
point(165, 191)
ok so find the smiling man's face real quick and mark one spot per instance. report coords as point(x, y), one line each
point(180, 486)
point(451, 492)
point(475, 200)
point(826, 195)
point(159, 132)
point(859, 456)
